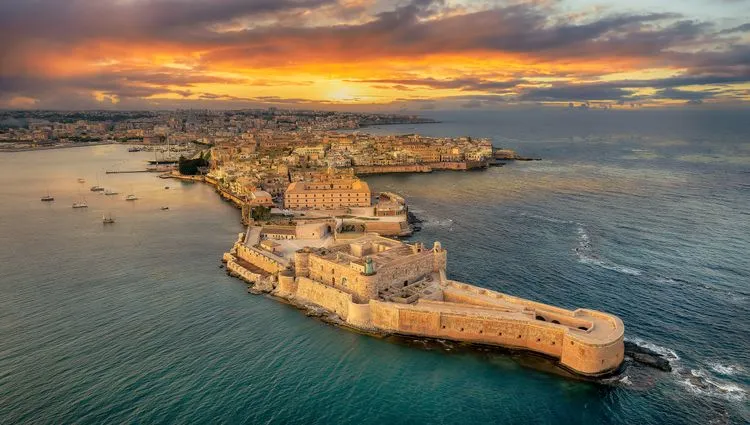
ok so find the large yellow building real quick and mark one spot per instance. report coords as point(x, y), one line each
point(328, 194)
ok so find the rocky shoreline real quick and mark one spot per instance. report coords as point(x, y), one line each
point(646, 357)
point(638, 359)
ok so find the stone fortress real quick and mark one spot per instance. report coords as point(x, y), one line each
point(382, 285)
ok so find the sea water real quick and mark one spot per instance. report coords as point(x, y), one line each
point(640, 215)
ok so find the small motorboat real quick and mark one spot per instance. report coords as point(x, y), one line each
point(97, 188)
point(108, 219)
point(111, 192)
point(166, 187)
point(81, 180)
point(47, 198)
point(131, 198)
point(80, 205)
point(164, 208)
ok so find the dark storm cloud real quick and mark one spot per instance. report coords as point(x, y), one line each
point(523, 27)
point(529, 32)
point(121, 83)
point(66, 20)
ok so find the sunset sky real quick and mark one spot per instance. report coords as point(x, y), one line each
point(373, 54)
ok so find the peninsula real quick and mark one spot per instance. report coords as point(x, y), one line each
point(375, 284)
point(318, 237)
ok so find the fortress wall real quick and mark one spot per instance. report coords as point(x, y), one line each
point(419, 322)
point(384, 315)
point(439, 262)
point(588, 358)
point(325, 296)
point(460, 296)
point(453, 165)
point(343, 277)
point(312, 230)
point(287, 286)
point(547, 339)
point(302, 263)
point(469, 294)
point(242, 272)
point(408, 269)
point(359, 315)
point(257, 259)
point(384, 228)
point(382, 169)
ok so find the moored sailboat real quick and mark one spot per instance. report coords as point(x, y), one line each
point(108, 219)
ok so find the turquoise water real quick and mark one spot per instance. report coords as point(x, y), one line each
point(135, 322)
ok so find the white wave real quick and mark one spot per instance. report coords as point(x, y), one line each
point(666, 280)
point(586, 256)
point(726, 369)
point(547, 219)
point(702, 383)
point(437, 223)
point(665, 352)
point(609, 266)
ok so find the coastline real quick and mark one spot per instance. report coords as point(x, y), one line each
point(71, 145)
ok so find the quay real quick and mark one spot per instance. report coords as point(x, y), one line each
point(130, 171)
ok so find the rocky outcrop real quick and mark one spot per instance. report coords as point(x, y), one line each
point(647, 357)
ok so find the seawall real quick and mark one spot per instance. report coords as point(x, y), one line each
point(586, 342)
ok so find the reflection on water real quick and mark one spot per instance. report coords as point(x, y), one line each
point(136, 322)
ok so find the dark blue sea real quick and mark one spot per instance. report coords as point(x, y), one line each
point(644, 214)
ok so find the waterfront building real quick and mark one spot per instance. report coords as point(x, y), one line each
point(383, 285)
point(328, 193)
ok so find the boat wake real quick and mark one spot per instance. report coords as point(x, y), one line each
point(586, 255)
point(547, 219)
point(733, 296)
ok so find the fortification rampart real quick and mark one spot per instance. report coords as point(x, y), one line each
point(242, 272)
point(488, 325)
point(386, 169)
point(331, 299)
point(259, 259)
point(354, 281)
point(387, 228)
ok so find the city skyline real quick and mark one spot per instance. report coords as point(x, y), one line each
point(373, 55)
